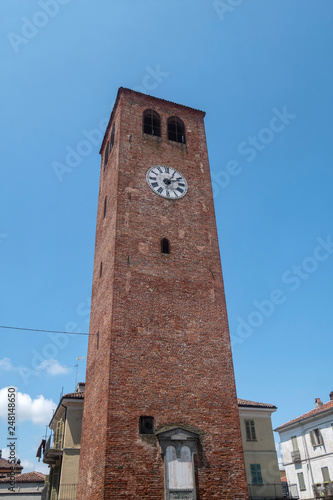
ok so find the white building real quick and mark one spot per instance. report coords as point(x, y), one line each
point(307, 447)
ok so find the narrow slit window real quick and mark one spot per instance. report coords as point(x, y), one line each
point(100, 270)
point(176, 130)
point(106, 155)
point(105, 201)
point(151, 122)
point(165, 246)
point(112, 138)
point(97, 340)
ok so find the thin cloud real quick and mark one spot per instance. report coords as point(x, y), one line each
point(38, 410)
point(49, 366)
point(6, 365)
point(53, 367)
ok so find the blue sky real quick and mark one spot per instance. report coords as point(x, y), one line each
point(262, 72)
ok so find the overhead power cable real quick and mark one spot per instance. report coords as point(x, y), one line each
point(44, 331)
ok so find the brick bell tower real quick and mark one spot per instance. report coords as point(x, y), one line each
point(160, 416)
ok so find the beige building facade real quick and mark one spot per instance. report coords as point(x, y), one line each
point(262, 468)
point(62, 450)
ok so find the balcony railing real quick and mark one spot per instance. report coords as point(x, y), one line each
point(323, 490)
point(51, 452)
point(67, 492)
point(272, 491)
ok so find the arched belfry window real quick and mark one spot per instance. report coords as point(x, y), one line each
point(165, 246)
point(151, 123)
point(176, 130)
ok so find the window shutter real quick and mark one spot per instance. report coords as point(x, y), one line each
point(253, 430)
point(248, 432)
point(301, 482)
point(256, 475)
point(313, 438)
point(319, 436)
point(259, 476)
point(294, 443)
point(326, 474)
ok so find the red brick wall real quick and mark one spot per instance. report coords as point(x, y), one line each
point(164, 348)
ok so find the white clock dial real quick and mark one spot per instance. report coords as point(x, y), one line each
point(167, 182)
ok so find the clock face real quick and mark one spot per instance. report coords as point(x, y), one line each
point(167, 182)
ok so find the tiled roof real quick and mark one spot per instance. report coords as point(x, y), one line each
point(4, 464)
point(311, 413)
point(74, 395)
point(253, 404)
point(27, 477)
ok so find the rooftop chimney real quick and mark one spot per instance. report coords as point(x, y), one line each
point(318, 403)
point(80, 387)
point(331, 395)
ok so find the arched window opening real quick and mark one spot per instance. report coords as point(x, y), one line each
point(176, 130)
point(106, 155)
point(105, 201)
point(165, 246)
point(151, 123)
point(112, 138)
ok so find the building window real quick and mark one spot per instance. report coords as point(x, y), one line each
point(58, 435)
point(176, 130)
point(112, 138)
point(105, 200)
point(294, 443)
point(151, 123)
point(250, 430)
point(256, 475)
point(97, 337)
point(146, 425)
point(106, 155)
point(165, 246)
point(100, 270)
point(316, 437)
point(326, 474)
point(301, 482)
